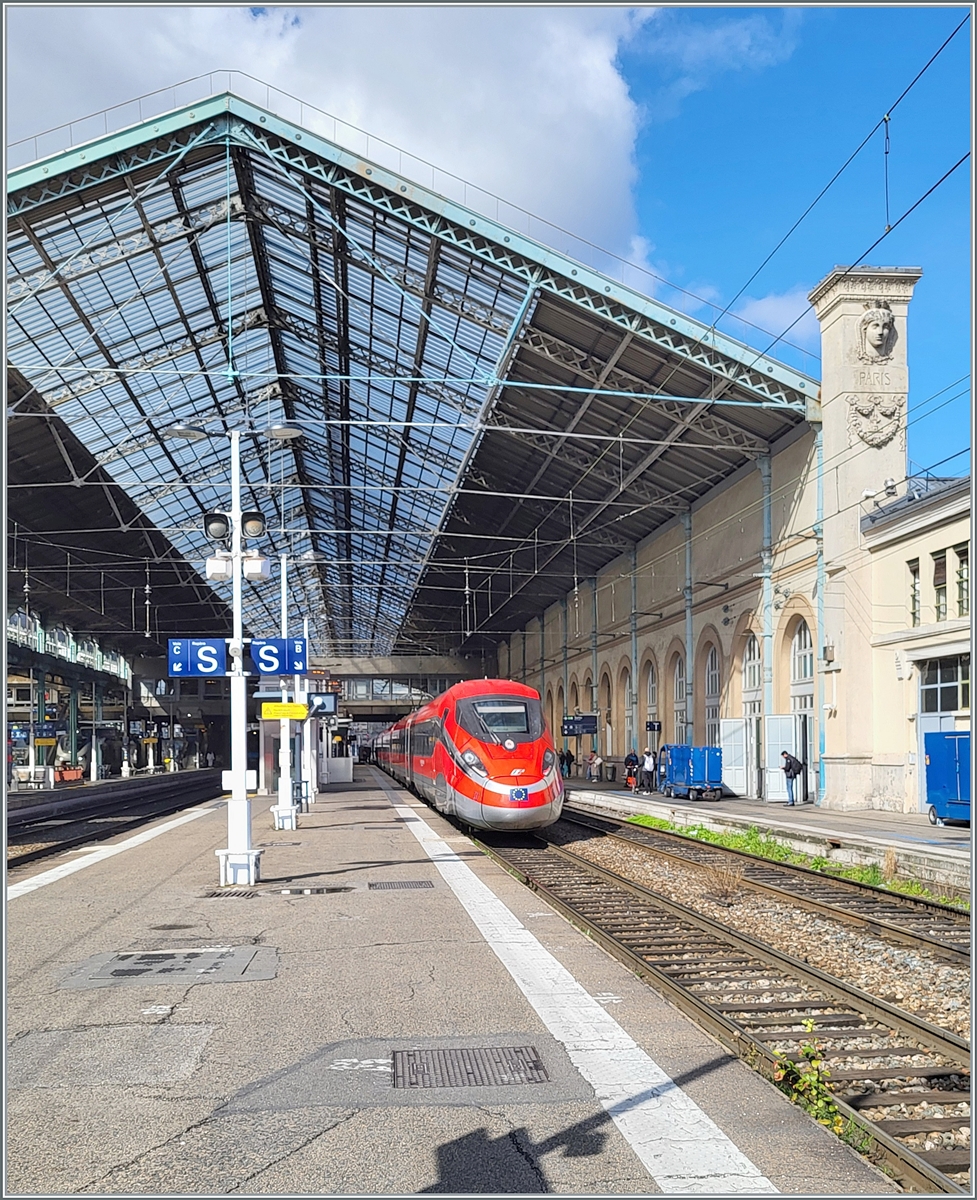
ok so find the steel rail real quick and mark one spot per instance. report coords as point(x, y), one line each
point(103, 809)
point(952, 919)
point(691, 934)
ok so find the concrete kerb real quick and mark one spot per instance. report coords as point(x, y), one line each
point(940, 866)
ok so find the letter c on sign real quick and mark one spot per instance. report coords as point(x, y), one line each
point(206, 660)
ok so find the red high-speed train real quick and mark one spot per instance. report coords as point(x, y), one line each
point(480, 752)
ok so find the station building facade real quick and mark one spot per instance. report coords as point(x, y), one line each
point(817, 601)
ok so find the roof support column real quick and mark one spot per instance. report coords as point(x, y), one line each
point(819, 715)
point(766, 567)
point(631, 700)
point(689, 632)
point(566, 665)
point(594, 686)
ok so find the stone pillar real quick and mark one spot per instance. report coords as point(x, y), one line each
point(864, 390)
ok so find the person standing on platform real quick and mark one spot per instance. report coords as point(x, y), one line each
point(563, 763)
point(647, 772)
point(631, 761)
point(570, 761)
point(792, 769)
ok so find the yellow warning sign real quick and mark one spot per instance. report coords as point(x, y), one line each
point(277, 711)
point(45, 741)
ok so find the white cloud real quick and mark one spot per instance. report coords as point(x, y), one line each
point(690, 51)
point(528, 103)
point(776, 311)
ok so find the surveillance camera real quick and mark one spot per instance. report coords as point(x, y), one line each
point(868, 494)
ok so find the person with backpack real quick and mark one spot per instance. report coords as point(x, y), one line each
point(792, 769)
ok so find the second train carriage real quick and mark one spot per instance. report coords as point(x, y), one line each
point(480, 752)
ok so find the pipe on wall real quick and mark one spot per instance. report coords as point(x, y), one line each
point(766, 566)
point(689, 632)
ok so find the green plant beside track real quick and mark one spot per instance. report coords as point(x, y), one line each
point(755, 842)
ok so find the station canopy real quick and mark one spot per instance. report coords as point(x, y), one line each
point(484, 419)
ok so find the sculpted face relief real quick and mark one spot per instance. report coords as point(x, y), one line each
point(876, 333)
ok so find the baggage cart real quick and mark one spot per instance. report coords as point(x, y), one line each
point(947, 776)
point(692, 771)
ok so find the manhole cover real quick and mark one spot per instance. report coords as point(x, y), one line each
point(231, 895)
point(312, 891)
point(489, 1066)
point(400, 884)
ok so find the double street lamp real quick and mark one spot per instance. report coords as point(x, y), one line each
point(239, 861)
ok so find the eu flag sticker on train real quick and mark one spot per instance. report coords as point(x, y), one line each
point(518, 795)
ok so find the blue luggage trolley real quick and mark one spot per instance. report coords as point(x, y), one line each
point(691, 771)
point(947, 776)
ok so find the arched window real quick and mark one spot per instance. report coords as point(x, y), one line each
point(652, 693)
point(801, 654)
point(752, 678)
point(713, 682)
point(678, 697)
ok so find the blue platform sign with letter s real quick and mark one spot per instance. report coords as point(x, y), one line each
point(279, 656)
point(197, 656)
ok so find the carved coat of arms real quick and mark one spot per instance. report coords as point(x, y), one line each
point(874, 419)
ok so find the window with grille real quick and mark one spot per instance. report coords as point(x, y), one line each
point(963, 579)
point(939, 584)
point(914, 603)
point(945, 684)
point(713, 681)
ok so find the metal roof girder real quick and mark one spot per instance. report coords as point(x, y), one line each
point(120, 250)
point(442, 218)
point(105, 158)
point(146, 362)
point(554, 349)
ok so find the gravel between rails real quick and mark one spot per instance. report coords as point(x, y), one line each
point(914, 980)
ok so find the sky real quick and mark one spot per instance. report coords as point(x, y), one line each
point(687, 140)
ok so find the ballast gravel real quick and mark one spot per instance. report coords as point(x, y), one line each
point(910, 979)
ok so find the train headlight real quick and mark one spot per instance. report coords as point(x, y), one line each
point(471, 759)
point(549, 760)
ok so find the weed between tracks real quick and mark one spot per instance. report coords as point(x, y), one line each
point(806, 1083)
point(764, 846)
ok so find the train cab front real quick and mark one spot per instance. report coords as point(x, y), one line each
point(509, 756)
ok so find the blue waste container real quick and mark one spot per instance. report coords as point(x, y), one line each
point(947, 766)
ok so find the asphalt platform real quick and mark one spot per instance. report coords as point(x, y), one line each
point(387, 1012)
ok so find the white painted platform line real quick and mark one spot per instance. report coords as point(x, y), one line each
point(683, 1150)
point(97, 856)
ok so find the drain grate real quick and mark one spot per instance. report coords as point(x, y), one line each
point(474, 1066)
point(400, 884)
point(239, 895)
point(312, 891)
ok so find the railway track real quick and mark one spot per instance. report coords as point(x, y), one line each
point(51, 828)
point(765, 1006)
point(909, 920)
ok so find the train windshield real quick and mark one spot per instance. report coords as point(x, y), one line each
point(496, 718)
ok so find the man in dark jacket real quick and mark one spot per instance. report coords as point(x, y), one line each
point(792, 768)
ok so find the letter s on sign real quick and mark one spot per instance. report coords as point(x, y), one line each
point(206, 660)
point(268, 659)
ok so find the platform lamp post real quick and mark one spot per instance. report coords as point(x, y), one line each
point(239, 861)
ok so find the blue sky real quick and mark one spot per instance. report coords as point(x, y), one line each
point(687, 139)
point(724, 170)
